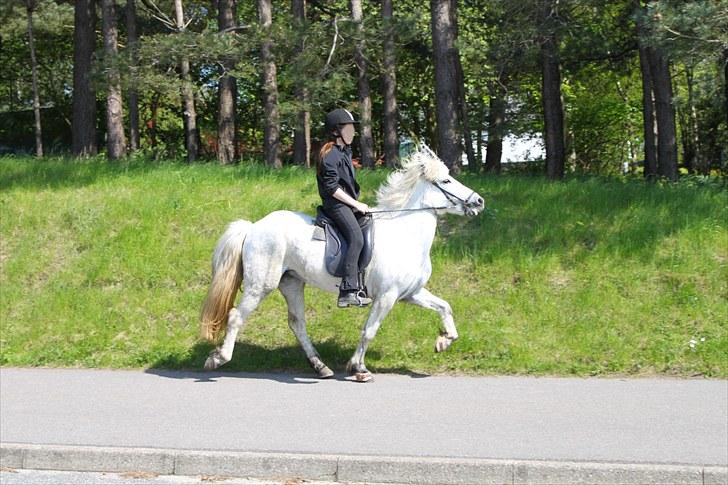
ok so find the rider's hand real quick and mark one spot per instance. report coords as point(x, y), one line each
point(362, 207)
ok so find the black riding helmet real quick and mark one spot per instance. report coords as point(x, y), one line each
point(338, 117)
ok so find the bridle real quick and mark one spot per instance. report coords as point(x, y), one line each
point(452, 198)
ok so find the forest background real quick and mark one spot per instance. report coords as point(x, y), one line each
point(605, 87)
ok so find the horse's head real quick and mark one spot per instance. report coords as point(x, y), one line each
point(425, 182)
point(442, 190)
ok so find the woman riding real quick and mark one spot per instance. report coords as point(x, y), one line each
point(339, 192)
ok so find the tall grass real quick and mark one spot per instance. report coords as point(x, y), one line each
point(106, 265)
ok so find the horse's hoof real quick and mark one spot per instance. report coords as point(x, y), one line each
point(215, 360)
point(442, 343)
point(363, 376)
point(325, 373)
point(210, 364)
point(321, 369)
point(353, 368)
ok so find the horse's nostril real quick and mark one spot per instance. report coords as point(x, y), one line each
point(481, 201)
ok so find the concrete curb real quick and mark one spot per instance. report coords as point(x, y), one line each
point(349, 468)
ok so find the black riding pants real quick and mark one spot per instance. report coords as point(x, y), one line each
point(348, 224)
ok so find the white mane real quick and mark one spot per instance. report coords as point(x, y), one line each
point(397, 190)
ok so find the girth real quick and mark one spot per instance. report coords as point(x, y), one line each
point(336, 245)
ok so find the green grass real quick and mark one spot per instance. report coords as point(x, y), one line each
point(106, 265)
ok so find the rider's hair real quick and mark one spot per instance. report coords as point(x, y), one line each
point(325, 149)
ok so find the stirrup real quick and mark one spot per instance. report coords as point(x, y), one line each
point(355, 298)
point(363, 298)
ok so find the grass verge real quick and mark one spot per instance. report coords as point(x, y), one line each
point(106, 265)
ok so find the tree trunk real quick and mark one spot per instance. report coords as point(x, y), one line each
point(152, 122)
point(83, 127)
point(131, 32)
point(553, 110)
point(227, 93)
point(628, 128)
point(649, 122)
point(462, 101)
point(725, 84)
point(473, 164)
point(666, 136)
point(189, 114)
point(366, 142)
point(115, 139)
point(446, 82)
point(479, 133)
point(302, 132)
point(271, 133)
point(694, 159)
point(687, 135)
point(30, 6)
point(496, 118)
point(389, 85)
point(431, 126)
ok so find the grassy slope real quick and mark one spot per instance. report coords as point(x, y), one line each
point(106, 265)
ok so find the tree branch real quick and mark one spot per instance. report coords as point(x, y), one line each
point(333, 47)
point(234, 28)
point(691, 37)
point(157, 13)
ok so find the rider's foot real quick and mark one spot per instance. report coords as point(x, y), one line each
point(353, 298)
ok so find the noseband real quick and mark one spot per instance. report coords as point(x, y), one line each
point(454, 199)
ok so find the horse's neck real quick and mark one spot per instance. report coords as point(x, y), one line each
point(421, 226)
point(416, 227)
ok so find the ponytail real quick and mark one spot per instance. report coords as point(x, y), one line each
point(322, 154)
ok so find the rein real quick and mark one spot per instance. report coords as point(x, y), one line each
point(408, 210)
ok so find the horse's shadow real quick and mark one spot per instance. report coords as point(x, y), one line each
point(286, 364)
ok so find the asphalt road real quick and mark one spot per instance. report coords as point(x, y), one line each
point(657, 421)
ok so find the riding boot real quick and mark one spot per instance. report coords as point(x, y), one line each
point(349, 298)
point(351, 295)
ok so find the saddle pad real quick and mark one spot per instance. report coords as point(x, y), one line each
point(318, 233)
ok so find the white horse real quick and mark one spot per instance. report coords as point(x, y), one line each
point(279, 251)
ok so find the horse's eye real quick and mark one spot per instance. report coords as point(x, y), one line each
point(446, 181)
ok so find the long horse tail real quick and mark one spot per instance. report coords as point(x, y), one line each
point(227, 276)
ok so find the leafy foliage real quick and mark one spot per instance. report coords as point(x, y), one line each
point(499, 43)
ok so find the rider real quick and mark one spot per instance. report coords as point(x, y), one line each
point(339, 192)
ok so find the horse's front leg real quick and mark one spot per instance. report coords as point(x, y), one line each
point(380, 308)
point(426, 299)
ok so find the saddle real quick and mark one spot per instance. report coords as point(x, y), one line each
point(336, 245)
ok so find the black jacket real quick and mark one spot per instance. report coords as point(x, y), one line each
point(337, 171)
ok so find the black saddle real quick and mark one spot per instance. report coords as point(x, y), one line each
point(336, 245)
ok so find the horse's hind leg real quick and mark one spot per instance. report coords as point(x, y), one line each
point(292, 290)
point(236, 320)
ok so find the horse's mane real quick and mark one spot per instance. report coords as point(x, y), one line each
point(397, 190)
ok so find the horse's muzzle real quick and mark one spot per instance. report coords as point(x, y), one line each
point(474, 205)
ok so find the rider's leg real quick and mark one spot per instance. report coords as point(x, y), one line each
point(349, 228)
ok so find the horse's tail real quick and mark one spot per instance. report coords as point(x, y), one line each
point(227, 275)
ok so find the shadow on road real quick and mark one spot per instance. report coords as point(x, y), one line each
point(285, 364)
